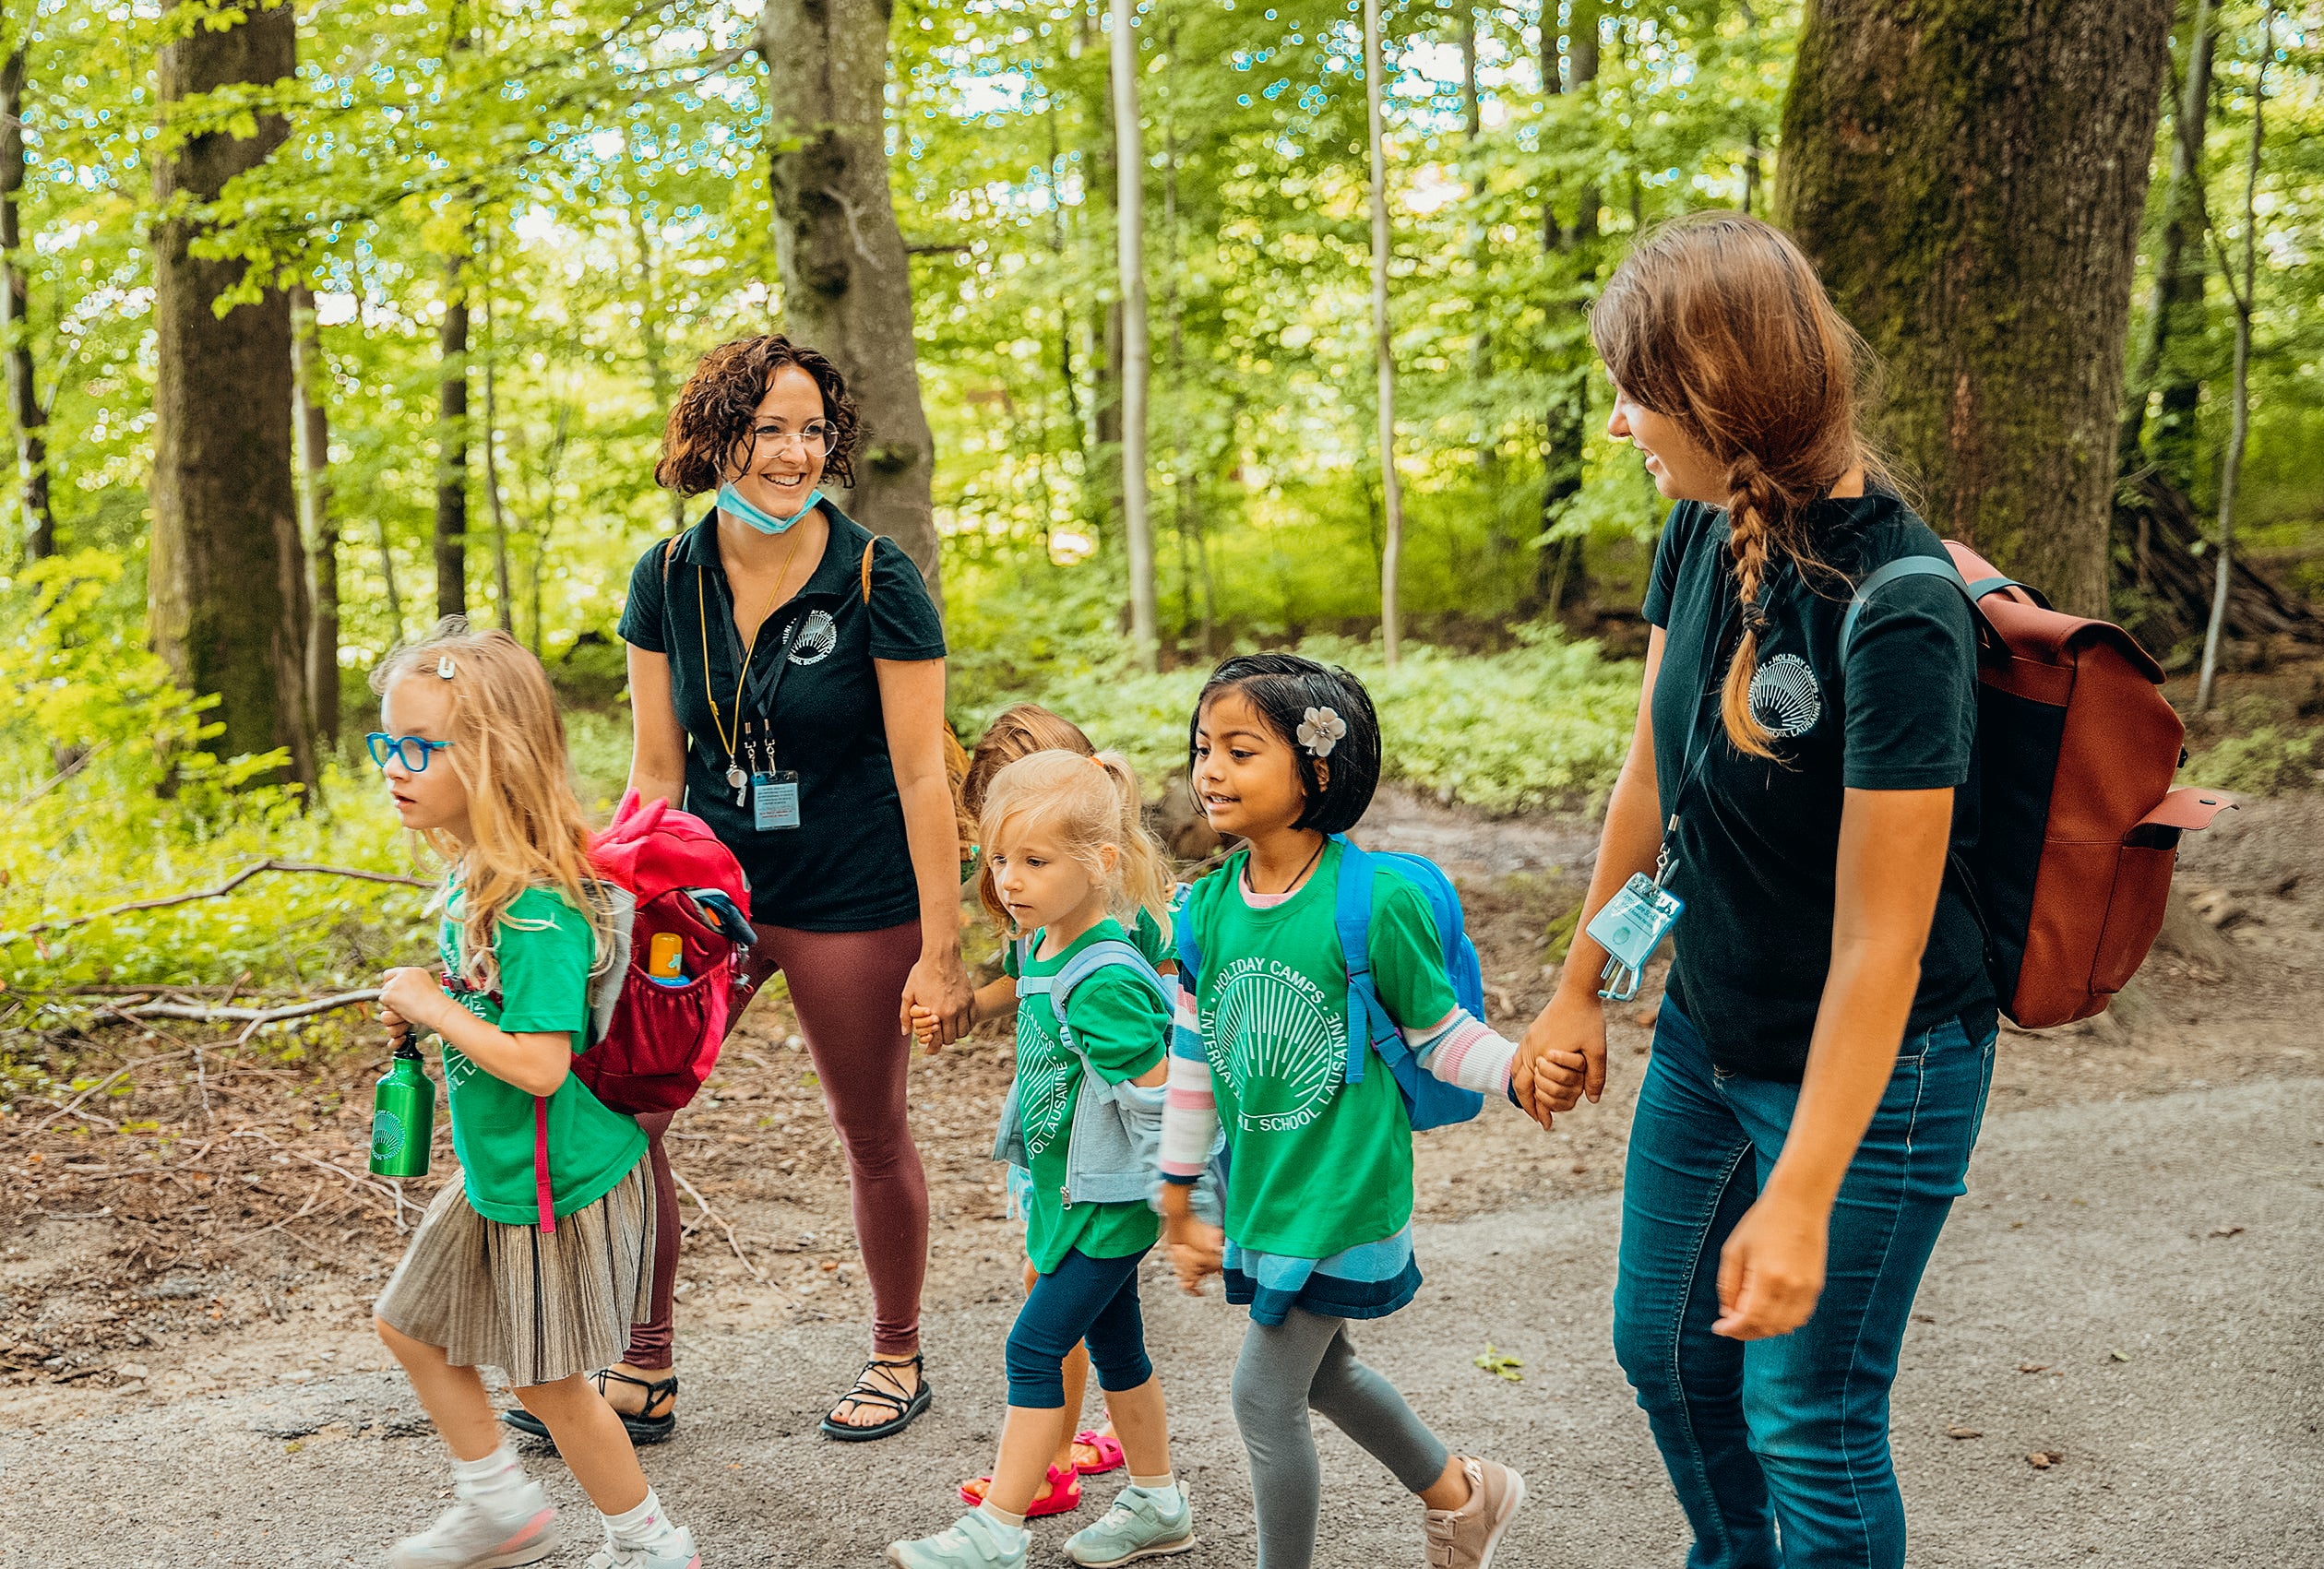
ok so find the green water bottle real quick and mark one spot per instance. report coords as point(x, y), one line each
point(403, 1115)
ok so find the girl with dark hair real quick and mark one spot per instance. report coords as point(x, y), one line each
point(1285, 753)
point(786, 677)
point(1825, 1043)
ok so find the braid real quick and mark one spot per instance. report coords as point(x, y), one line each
point(1756, 507)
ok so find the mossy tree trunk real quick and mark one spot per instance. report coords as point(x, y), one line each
point(1970, 176)
point(311, 433)
point(846, 276)
point(227, 577)
point(24, 399)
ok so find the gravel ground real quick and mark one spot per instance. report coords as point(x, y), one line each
point(2129, 1286)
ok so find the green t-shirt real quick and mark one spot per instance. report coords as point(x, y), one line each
point(545, 950)
point(1123, 1027)
point(1318, 1164)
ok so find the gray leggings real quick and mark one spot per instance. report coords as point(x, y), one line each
point(1285, 1371)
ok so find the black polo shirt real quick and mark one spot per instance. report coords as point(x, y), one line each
point(847, 866)
point(1757, 842)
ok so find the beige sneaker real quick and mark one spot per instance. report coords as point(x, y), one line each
point(1465, 1538)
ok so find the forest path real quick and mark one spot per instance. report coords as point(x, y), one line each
point(2185, 1232)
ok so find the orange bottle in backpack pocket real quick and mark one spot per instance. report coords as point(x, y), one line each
point(665, 962)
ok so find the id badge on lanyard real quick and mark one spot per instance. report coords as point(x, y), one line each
point(771, 794)
point(1632, 924)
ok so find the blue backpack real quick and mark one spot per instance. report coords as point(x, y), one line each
point(1429, 1101)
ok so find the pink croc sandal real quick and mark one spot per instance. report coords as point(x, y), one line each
point(1109, 1450)
point(1062, 1495)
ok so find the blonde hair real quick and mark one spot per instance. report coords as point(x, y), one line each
point(1019, 731)
point(1088, 803)
point(528, 829)
point(1718, 322)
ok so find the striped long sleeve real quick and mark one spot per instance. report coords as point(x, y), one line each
point(1461, 1049)
point(1191, 1107)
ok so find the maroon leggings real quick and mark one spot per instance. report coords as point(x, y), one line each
point(847, 988)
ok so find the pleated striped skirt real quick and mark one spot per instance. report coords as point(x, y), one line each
point(538, 1305)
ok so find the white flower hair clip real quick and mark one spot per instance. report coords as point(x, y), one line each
point(1321, 731)
point(445, 668)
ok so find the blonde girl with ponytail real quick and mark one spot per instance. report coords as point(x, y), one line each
point(1071, 863)
point(1825, 1044)
point(534, 1264)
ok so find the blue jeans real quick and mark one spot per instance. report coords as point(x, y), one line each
point(1787, 1435)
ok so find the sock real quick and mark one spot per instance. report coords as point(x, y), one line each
point(491, 1483)
point(1167, 1482)
point(999, 1515)
point(640, 1527)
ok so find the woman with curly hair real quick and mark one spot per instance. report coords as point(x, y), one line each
point(786, 679)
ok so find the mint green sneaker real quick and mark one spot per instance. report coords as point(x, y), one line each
point(1142, 1524)
point(976, 1540)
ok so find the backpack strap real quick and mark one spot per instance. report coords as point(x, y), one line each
point(1110, 953)
point(871, 546)
point(546, 1215)
point(1905, 566)
point(1351, 914)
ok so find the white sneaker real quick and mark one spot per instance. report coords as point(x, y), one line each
point(672, 1550)
point(467, 1537)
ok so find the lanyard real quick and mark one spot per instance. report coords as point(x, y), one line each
point(765, 702)
point(1699, 738)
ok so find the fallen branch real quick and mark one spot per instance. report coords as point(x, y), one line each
point(67, 1109)
point(252, 1019)
point(228, 886)
point(362, 1184)
point(713, 1215)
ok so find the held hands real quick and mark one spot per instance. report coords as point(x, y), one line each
point(924, 1028)
point(1772, 1270)
point(1195, 1248)
point(938, 987)
point(1566, 1048)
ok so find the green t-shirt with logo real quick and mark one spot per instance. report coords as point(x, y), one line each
point(1123, 1027)
point(1318, 1164)
point(545, 950)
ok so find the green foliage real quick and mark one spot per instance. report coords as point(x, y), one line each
point(1546, 722)
point(113, 800)
point(2268, 761)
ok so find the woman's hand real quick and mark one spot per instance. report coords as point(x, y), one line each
point(1569, 1034)
point(1772, 1270)
point(409, 998)
point(938, 986)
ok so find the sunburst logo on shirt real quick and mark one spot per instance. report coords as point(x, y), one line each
point(1785, 697)
point(1271, 1033)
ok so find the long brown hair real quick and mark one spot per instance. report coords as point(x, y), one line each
point(1019, 731)
point(1718, 322)
point(509, 753)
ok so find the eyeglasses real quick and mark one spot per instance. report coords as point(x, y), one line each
point(412, 749)
point(816, 438)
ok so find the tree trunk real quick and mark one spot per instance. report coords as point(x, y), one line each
point(1970, 175)
point(1559, 575)
point(846, 279)
point(451, 441)
point(1131, 251)
point(319, 524)
point(227, 577)
point(2174, 304)
point(24, 400)
point(1382, 344)
point(2230, 462)
point(503, 607)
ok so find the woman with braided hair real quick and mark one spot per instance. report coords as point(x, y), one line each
point(1825, 1045)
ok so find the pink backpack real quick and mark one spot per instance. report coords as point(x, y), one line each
point(652, 1045)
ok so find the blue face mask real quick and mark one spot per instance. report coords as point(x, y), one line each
point(730, 501)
